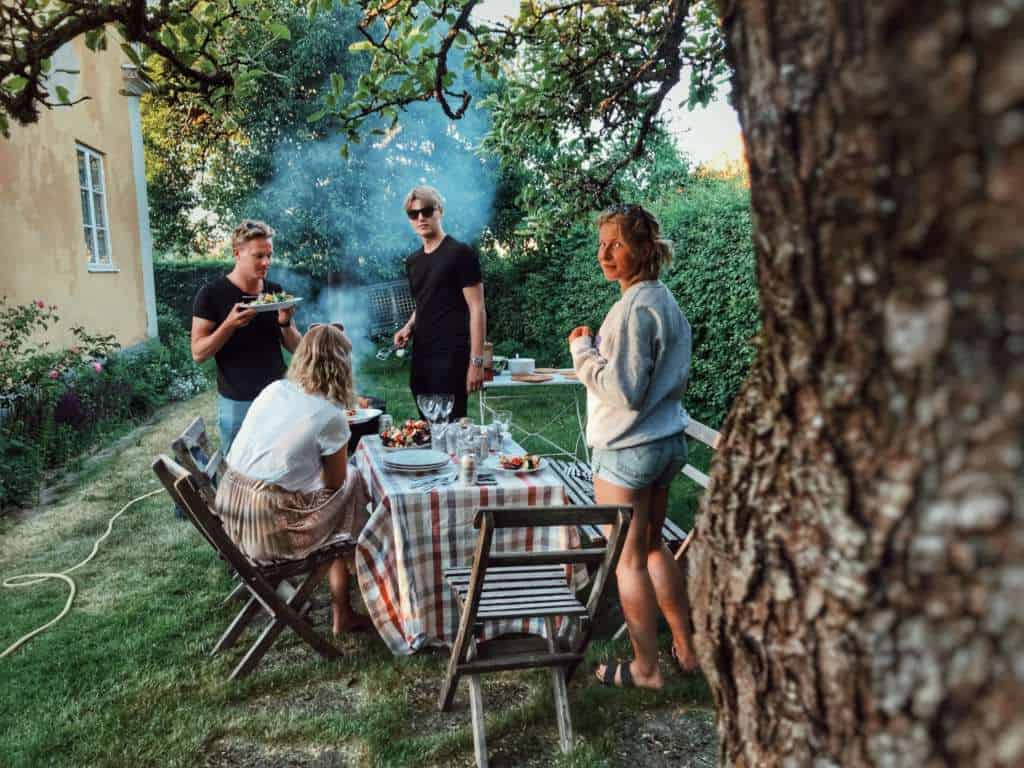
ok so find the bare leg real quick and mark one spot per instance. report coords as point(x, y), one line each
point(345, 618)
point(636, 592)
point(669, 588)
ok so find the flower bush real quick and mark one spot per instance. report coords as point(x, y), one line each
point(54, 405)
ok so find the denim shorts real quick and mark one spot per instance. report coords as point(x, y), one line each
point(640, 466)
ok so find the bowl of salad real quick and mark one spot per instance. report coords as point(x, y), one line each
point(415, 433)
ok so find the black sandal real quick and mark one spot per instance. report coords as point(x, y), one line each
point(625, 677)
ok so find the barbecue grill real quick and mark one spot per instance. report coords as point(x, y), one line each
point(390, 306)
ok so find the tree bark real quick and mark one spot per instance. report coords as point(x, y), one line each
point(857, 577)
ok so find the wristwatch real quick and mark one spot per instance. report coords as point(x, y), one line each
point(476, 362)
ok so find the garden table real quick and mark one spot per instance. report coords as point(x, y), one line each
point(412, 536)
point(511, 390)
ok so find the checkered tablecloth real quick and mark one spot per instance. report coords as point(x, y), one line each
point(413, 536)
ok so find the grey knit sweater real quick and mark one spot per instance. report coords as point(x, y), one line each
point(636, 369)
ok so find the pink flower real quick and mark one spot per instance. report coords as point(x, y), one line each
point(40, 303)
point(54, 374)
point(96, 366)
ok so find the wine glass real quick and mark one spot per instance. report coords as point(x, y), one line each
point(430, 406)
point(446, 403)
point(503, 419)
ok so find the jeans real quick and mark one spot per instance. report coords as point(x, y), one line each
point(230, 415)
point(640, 466)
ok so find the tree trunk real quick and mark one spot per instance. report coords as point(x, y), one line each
point(857, 579)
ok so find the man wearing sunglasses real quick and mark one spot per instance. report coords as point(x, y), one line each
point(449, 324)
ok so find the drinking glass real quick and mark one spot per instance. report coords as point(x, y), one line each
point(385, 423)
point(503, 419)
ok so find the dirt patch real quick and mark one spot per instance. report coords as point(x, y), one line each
point(235, 753)
point(680, 738)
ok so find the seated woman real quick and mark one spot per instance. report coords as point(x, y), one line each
point(288, 487)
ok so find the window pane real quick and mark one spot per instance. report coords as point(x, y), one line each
point(97, 209)
point(86, 210)
point(94, 168)
point(88, 245)
point(83, 178)
point(101, 245)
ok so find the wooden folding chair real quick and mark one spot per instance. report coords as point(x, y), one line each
point(526, 585)
point(192, 450)
point(268, 585)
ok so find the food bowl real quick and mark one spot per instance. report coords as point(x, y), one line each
point(518, 365)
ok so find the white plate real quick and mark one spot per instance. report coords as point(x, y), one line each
point(392, 449)
point(491, 462)
point(418, 470)
point(363, 415)
point(417, 459)
point(275, 305)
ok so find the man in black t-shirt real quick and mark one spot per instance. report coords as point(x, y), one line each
point(246, 344)
point(449, 324)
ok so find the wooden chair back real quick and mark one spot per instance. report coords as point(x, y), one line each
point(529, 585)
point(192, 450)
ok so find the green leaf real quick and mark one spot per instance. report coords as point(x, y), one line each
point(280, 31)
point(316, 116)
point(343, 151)
point(62, 94)
point(16, 84)
point(361, 45)
point(129, 50)
point(337, 83)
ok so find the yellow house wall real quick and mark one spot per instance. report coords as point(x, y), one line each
point(43, 253)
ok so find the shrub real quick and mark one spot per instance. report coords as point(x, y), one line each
point(55, 405)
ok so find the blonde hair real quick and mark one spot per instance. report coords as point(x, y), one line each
point(250, 229)
point(322, 365)
point(642, 233)
point(426, 195)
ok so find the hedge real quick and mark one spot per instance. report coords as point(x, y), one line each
point(534, 299)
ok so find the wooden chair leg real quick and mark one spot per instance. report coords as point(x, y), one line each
point(236, 627)
point(558, 677)
point(476, 708)
point(277, 625)
point(238, 593)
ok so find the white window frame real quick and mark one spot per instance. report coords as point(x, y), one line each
point(96, 264)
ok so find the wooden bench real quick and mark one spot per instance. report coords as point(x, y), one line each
point(579, 487)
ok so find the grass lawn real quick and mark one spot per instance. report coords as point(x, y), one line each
point(126, 679)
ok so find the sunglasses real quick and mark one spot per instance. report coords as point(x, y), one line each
point(624, 208)
point(414, 213)
point(339, 326)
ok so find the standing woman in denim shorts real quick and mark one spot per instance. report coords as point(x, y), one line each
point(635, 371)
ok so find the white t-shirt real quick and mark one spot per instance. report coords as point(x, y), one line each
point(284, 434)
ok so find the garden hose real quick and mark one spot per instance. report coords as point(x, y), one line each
point(29, 579)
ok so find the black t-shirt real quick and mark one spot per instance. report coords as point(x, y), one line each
point(436, 281)
point(252, 357)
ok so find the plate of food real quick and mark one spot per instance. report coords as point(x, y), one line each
point(525, 462)
point(362, 415)
point(415, 433)
point(268, 302)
